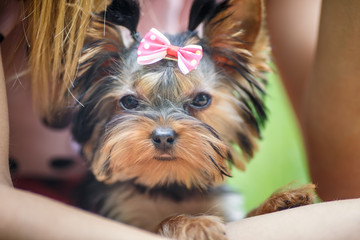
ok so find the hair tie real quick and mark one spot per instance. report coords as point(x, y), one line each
point(155, 47)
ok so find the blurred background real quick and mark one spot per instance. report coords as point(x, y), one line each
point(281, 157)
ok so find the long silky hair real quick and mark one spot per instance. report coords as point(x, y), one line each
point(54, 35)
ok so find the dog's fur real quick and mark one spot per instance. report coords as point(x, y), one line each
point(210, 111)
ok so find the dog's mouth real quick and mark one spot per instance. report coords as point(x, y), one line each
point(165, 157)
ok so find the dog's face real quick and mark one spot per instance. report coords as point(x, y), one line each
point(157, 126)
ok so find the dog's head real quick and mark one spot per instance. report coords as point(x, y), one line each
point(157, 126)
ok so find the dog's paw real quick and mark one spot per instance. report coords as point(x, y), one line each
point(286, 199)
point(184, 227)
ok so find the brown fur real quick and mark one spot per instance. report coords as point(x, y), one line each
point(183, 227)
point(286, 199)
point(193, 168)
point(146, 211)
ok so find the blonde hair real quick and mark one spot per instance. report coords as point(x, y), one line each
point(55, 34)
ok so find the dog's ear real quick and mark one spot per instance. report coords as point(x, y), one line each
point(99, 58)
point(200, 10)
point(239, 20)
point(234, 35)
point(104, 42)
point(123, 13)
point(103, 25)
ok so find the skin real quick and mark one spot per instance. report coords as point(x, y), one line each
point(18, 208)
point(322, 85)
point(293, 39)
point(330, 112)
point(331, 220)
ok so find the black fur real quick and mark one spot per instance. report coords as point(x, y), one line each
point(199, 11)
point(86, 117)
point(222, 6)
point(204, 11)
point(252, 99)
point(92, 194)
point(245, 144)
point(124, 13)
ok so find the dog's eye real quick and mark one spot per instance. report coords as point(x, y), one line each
point(129, 102)
point(201, 100)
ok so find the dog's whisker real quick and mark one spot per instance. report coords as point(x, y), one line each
point(105, 169)
point(216, 149)
point(230, 157)
point(221, 169)
point(211, 130)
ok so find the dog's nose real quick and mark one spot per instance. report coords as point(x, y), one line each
point(163, 138)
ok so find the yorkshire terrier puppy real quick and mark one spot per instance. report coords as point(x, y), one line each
point(162, 121)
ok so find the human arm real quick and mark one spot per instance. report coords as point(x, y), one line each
point(331, 220)
point(322, 85)
point(25, 215)
point(331, 113)
point(293, 27)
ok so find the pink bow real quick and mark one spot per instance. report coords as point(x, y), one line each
point(155, 46)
